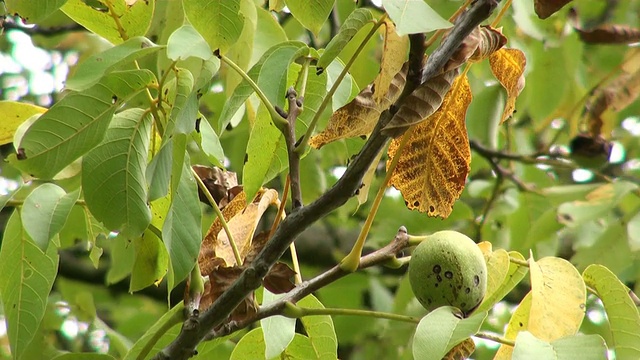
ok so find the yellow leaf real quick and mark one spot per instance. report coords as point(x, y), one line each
point(14, 114)
point(558, 299)
point(434, 165)
point(497, 270)
point(519, 322)
point(507, 66)
point(359, 117)
point(394, 55)
point(363, 192)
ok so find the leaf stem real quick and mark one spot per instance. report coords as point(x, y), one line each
point(495, 338)
point(314, 121)
point(278, 120)
point(294, 311)
point(519, 262)
point(503, 11)
point(223, 221)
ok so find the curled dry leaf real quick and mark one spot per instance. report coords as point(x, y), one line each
point(420, 104)
point(434, 165)
point(482, 42)
point(461, 351)
point(614, 95)
point(507, 66)
point(546, 8)
point(222, 184)
point(359, 117)
point(605, 34)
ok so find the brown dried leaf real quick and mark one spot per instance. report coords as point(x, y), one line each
point(461, 351)
point(359, 117)
point(507, 66)
point(420, 104)
point(614, 95)
point(243, 226)
point(222, 184)
point(220, 280)
point(434, 165)
point(491, 40)
point(278, 279)
point(394, 55)
point(467, 48)
point(546, 8)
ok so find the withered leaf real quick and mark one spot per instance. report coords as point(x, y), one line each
point(222, 184)
point(243, 226)
point(434, 165)
point(394, 55)
point(220, 280)
point(610, 34)
point(507, 66)
point(278, 279)
point(614, 95)
point(461, 351)
point(546, 8)
point(478, 45)
point(420, 104)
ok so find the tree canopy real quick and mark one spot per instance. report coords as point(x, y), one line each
point(248, 179)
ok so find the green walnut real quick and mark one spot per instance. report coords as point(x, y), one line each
point(448, 269)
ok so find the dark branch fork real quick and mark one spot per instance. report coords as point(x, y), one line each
point(183, 347)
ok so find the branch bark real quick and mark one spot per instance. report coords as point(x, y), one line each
point(183, 347)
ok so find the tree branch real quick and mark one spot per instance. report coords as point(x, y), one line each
point(184, 345)
point(295, 107)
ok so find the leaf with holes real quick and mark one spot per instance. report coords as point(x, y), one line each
point(218, 21)
point(117, 22)
point(113, 176)
point(508, 66)
point(359, 117)
point(624, 320)
point(76, 124)
point(352, 24)
point(558, 298)
point(27, 278)
point(433, 167)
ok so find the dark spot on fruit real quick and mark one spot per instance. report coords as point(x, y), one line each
point(448, 274)
point(431, 208)
point(467, 290)
point(439, 278)
point(98, 59)
point(437, 269)
point(476, 280)
point(416, 203)
point(436, 284)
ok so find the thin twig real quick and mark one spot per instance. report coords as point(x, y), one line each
point(295, 108)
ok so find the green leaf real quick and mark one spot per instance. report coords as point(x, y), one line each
point(158, 172)
point(124, 23)
point(45, 211)
point(146, 342)
point(185, 105)
point(261, 151)
point(90, 71)
point(356, 21)
point(27, 278)
point(579, 347)
point(182, 229)
point(33, 11)
point(311, 14)
point(122, 259)
point(219, 21)
point(441, 330)
point(596, 204)
point(209, 68)
point(84, 356)
point(251, 346)
point(320, 330)
point(414, 16)
point(208, 142)
point(272, 80)
point(515, 274)
point(241, 51)
point(113, 176)
point(633, 232)
point(348, 88)
point(186, 41)
point(270, 34)
point(622, 313)
point(278, 330)
point(151, 263)
point(77, 123)
point(498, 271)
point(14, 114)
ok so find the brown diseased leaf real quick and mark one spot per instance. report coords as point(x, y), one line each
point(482, 42)
point(546, 8)
point(219, 281)
point(222, 184)
point(420, 104)
point(507, 66)
point(614, 95)
point(434, 165)
point(359, 117)
point(461, 351)
point(610, 34)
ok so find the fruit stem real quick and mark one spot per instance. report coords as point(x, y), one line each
point(397, 263)
point(415, 240)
